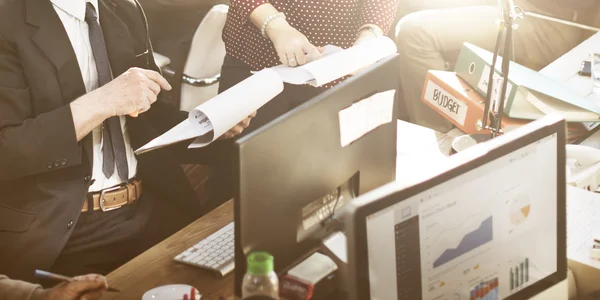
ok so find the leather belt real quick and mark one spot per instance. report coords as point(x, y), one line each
point(115, 197)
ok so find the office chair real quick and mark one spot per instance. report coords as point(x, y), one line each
point(202, 70)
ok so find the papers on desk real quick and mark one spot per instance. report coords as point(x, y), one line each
point(213, 118)
point(335, 62)
point(336, 243)
point(583, 224)
point(419, 153)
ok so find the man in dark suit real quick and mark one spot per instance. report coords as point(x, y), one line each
point(72, 73)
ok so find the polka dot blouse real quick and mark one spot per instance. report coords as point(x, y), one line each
point(334, 22)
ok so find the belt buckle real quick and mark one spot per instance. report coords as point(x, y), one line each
point(108, 190)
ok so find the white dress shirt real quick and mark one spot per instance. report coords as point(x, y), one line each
point(72, 15)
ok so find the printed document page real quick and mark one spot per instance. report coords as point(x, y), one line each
point(223, 113)
point(336, 63)
point(583, 224)
point(213, 118)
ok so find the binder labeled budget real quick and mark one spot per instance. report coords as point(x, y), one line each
point(455, 100)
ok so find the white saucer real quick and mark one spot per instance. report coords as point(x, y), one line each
point(170, 292)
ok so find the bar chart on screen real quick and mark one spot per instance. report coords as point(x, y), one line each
point(519, 275)
point(485, 290)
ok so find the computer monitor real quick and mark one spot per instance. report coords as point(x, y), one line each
point(293, 171)
point(489, 226)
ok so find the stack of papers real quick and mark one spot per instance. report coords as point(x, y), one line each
point(419, 153)
point(336, 62)
point(583, 224)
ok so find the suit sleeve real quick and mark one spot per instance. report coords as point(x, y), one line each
point(19, 290)
point(30, 144)
point(379, 12)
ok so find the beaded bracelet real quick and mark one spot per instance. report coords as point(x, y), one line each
point(263, 29)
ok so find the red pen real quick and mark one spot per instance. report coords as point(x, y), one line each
point(185, 297)
point(193, 294)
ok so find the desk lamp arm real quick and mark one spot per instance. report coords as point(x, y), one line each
point(494, 109)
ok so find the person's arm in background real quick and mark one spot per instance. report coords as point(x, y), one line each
point(291, 45)
point(89, 286)
point(377, 14)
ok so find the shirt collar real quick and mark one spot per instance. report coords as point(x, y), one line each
point(75, 8)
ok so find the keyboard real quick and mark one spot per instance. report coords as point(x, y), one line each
point(214, 253)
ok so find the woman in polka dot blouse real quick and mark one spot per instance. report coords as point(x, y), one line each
point(264, 33)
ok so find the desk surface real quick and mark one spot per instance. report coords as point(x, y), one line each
point(156, 267)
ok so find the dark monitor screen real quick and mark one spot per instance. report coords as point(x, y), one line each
point(489, 226)
point(296, 172)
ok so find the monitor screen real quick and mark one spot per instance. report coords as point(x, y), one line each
point(485, 234)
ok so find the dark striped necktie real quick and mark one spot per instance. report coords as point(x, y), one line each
point(113, 144)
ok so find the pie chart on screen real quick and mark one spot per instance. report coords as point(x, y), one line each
point(520, 209)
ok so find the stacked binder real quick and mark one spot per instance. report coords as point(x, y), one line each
point(460, 96)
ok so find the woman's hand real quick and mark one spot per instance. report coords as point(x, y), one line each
point(291, 45)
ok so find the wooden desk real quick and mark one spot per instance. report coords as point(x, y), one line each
point(156, 267)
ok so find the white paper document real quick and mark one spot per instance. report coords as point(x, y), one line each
point(336, 243)
point(336, 63)
point(583, 224)
point(419, 153)
point(213, 118)
point(183, 131)
point(364, 116)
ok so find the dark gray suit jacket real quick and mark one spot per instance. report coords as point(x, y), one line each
point(44, 171)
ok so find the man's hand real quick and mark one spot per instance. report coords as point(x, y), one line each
point(237, 129)
point(131, 93)
point(293, 48)
point(88, 287)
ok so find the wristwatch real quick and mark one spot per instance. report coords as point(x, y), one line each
point(374, 29)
